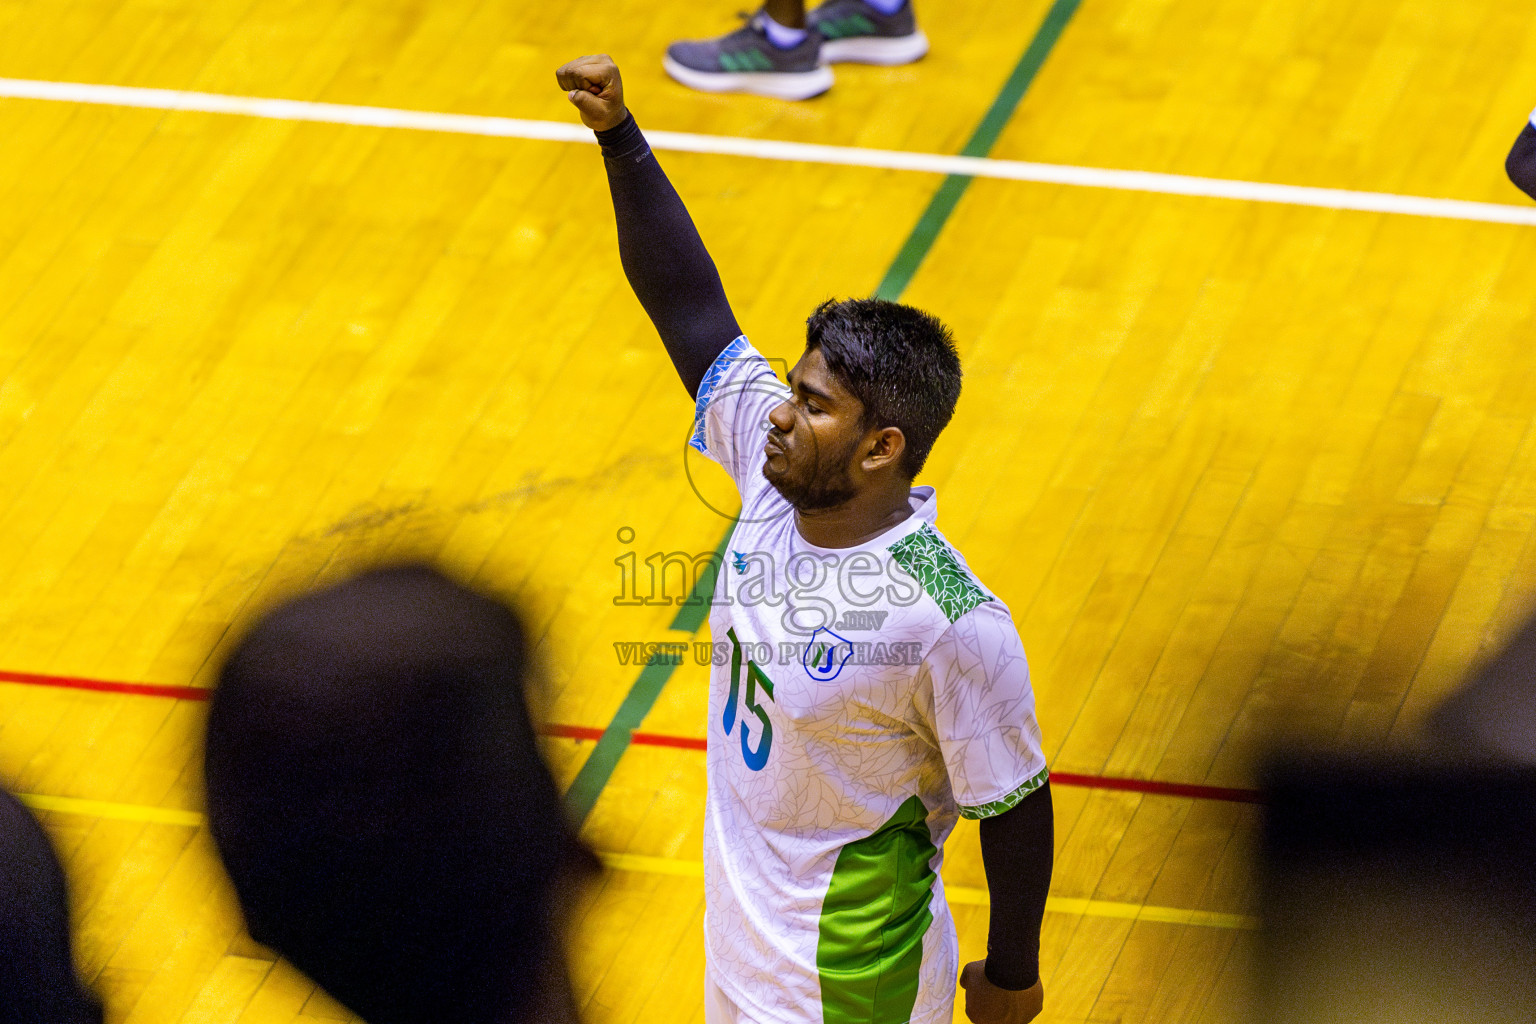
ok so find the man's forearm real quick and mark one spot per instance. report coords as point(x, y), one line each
point(1018, 849)
point(1521, 165)
point(664, 258)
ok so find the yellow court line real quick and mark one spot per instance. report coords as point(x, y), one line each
point(978, 897)
point(690, 868)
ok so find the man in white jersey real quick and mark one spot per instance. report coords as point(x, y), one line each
point(1521, 164)
point(839, 761)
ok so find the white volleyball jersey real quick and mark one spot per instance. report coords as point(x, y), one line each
point(861, 699)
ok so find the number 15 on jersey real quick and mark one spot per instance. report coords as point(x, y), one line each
point(755, 757)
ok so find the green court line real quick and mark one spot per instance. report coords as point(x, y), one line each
point(948, 196)
point(600, 764)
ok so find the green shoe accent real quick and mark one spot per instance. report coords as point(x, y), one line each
point(873, 920)
point(744, 61)
point(933, 563)
point(842, 28)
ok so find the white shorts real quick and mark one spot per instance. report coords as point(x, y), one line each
point(718, 1007)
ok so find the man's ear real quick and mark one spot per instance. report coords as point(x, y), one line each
point(886, 447)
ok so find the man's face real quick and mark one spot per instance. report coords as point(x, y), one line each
point(814, 439)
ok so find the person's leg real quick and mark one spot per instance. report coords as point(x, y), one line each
point(789, 13)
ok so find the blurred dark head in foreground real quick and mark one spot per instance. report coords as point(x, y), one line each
point(1402, 886)
point(1495, 715)
point(378, 800)
point(1398, 888)
point(38, 984)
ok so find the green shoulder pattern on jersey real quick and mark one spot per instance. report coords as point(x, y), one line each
point(996, 807)
point(873, 918)
point(933, 563)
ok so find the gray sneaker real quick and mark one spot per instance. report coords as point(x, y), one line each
point(857, 33)
point(746, 61)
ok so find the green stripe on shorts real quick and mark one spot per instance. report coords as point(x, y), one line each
point(873, 920)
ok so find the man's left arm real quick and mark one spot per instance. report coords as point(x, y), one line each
point(983, 717)
point(1018, 852)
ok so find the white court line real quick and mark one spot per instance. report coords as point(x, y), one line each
point(769, 149)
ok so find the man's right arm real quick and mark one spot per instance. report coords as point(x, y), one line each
point(1521, 165)
point(663, 256)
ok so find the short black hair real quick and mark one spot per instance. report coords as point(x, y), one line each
point(376, 794)
point(899, 361)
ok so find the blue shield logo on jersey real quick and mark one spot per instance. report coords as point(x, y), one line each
point(825, 655)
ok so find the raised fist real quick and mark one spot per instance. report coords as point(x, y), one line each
point(985, 1003)
point(594, 86)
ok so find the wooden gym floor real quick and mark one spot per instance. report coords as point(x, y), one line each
point(1247, 474)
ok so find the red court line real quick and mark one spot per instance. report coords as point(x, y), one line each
point(652, 739)
point(1155, 788)
point(572, 732)
point(104, 686)
point(1148, 786)
point(645, 739)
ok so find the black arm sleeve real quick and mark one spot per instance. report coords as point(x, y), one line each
point(664, 258)
point(1018, 848)
point(1521, 165)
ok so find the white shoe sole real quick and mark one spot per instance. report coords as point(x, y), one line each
point(783, 85)
point(887, 50)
